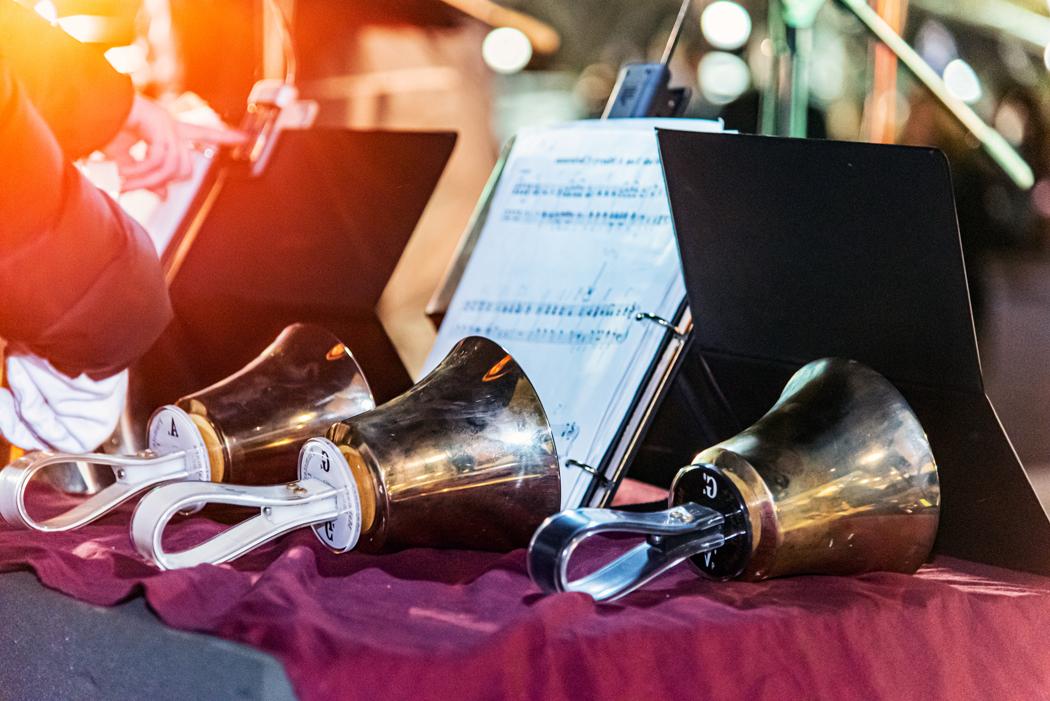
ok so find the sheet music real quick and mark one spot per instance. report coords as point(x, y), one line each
point(577, 242)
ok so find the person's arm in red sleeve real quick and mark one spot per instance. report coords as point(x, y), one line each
point(89, 106)
point(80, 283)
point(75, 90)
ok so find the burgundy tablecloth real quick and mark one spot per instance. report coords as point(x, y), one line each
point(429, 624)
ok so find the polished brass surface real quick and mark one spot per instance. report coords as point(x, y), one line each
point(259, 418)
point(465, 458)
point(838, 478)
point(248, 428)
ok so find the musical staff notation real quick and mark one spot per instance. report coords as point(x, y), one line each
point(577, 242)
point(631, 191)
point(538, 308)
point(565, 218)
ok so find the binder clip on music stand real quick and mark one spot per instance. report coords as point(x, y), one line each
point(787, 98)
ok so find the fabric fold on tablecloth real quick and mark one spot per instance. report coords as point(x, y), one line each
point(440, 624)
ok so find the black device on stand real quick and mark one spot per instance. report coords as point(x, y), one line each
point(795, 250)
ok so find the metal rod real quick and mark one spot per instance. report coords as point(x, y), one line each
point(801, 41)
point(770, 119)
point(994, 144)
point(676, 32)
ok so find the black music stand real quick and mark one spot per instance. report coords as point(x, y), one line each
point(314, 239)
point(795, 250)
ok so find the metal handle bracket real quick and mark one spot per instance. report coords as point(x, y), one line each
point(328, 501)
point(672, 536)
point(133, 475)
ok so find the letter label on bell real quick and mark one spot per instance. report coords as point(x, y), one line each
point(173, 431)
point(316, 461)
point(710, 486)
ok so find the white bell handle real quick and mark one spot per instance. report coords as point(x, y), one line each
point(324, 497)
point(177, 452)
point(133, 475)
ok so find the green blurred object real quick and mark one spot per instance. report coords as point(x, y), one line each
point(785, 103)
point(800, 14)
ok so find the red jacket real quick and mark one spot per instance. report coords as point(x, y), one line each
point(80, 283)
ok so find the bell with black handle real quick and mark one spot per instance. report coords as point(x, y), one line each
point(837, 478)
point(248, 428)
point(464, 459)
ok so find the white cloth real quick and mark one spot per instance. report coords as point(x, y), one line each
point(45, 409)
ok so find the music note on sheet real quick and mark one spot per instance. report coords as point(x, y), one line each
point(577, 241)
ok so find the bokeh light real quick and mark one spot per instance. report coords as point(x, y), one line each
point(726, 25)
point(47, 10)
point(506, 50)
point(127, 59)
point(723, 77)
point(962, 81)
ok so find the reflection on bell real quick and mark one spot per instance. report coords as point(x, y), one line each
point(254, 422)
point(837, 478)
point(465, 458)
point(248, 428)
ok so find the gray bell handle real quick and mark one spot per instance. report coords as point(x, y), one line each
point(672, 536)
point(133, 475)
point(330, 504)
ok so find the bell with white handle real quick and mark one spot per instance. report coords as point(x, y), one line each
point(837, 478)
point(465, 458)
point(246, 428)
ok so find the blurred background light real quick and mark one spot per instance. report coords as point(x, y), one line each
point(827, 72)
point(726, 25)
point(127, 59)
point(1041, 198)
point(723, 77)
point(936, 44)
point(506, 50)
point(962, 81)
point(47, 10)
point(1011, 122)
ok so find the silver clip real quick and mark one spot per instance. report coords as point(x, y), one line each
point(325, 496)
point(660, 321)
point(273, 107)
point(589, 469)
point(673, 535)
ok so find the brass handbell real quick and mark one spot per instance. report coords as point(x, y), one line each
point(465, 458)
point(837, 478)
point(248, 427)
